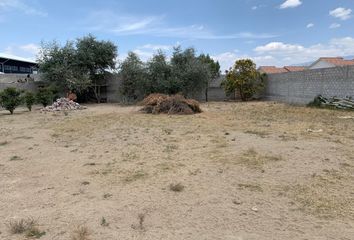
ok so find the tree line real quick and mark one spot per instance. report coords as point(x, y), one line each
point(81, 66)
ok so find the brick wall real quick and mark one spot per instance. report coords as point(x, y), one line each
point(302, 87)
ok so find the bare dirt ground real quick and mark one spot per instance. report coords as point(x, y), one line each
point(245, 171)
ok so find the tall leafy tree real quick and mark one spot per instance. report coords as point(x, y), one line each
point(93, 59)
point(78, 65)
point(213, 68)
point(158, 75)
point(132, 72)
point(189, 74)
point(244, 78)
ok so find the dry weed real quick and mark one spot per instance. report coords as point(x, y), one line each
point(81, 233)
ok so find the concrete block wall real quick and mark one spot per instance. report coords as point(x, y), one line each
point(302, 87)
point(12, 78)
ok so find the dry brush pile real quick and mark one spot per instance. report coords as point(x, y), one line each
point(175, 104)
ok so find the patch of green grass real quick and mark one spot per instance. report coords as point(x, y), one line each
point(255, 187)
point(107, 195)
point(170, 148)
point(259, 133)
point(25, 226)
point(104, 222)
point(134, 176)
point(252, 159)
point(176, 187)
point(55, 135)
point(24, 137)
point(3, 143)
point(34, 232)
point(323, 196)
point(15, 158)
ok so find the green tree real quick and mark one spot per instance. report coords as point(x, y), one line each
point(189, 73)
point(10, 98)
point(44, 96)
point(78, 65)
point(29, 99)
point(132, 73)
point(244, 78)
point(214, 70)
point(94, 58)
point(158, 75)
point(56, 65)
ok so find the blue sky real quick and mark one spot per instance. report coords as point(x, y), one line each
point(271, 32)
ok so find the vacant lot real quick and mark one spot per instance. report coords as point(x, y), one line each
point(235, 171)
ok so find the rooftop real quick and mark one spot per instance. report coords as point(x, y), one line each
point(16, 58)
point(337, 61)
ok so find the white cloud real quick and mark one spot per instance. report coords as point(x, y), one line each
point(19, 5)
point(228, 59)
point(26, 51)
point(156, 47)
point(281, 54)
point(278, 47)
point(341, 13)
point(290, 4)
point(334, 25)
point(310, 25)
point(286, 54)
point(30, 48)
point(106, 21)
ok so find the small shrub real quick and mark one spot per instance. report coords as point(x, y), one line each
point(176, 187)
point(34, 232)
point(80, 233)
point(21, 226)
point(10, 99)
point(141, 220)
point(15, 158)
point(104, 222)
point(30, 99)
point(4, 143)
point(44, 96)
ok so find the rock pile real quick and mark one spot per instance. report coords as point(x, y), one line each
point(63, 104)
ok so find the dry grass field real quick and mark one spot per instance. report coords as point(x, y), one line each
point(236, 171)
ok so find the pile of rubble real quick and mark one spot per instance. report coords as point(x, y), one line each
point(63, 104)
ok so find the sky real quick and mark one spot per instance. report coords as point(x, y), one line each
point(270, 32)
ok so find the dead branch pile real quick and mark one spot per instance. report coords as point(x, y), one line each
point(340, 103)
point(175, 104)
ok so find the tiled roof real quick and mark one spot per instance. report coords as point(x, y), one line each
point(272, 69)
point(337, 61)
point(294, 68)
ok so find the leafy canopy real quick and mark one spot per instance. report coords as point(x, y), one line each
point(244, 78)
point(76, 65)
point(185, 73)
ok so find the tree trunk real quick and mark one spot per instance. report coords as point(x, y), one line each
point(206, 94)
